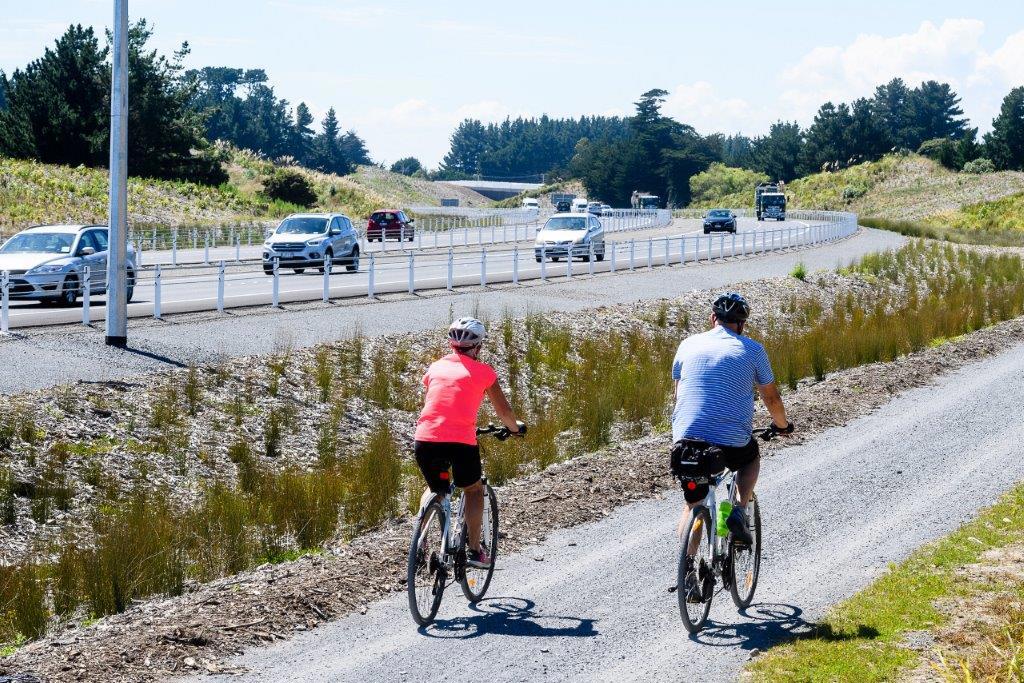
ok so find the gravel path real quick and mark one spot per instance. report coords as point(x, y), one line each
point(65, 355)
point(591, 602)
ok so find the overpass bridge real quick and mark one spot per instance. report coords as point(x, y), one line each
point(496, 189)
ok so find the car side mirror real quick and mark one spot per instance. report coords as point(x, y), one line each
point(86, 251)
point(335, 232)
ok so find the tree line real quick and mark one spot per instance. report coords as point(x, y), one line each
point(57, 110)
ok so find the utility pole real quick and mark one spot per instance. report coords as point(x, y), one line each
point(117, 256)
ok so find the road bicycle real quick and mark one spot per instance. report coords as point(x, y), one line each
point(719, 556)
point(437, 554)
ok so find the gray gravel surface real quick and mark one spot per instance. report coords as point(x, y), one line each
point(591, 602)
point(67, 354)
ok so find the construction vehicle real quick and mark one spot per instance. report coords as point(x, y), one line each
point(770, 201)
point(644, 200)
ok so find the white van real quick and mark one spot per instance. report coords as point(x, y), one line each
point(530, 203)
point(579, 205)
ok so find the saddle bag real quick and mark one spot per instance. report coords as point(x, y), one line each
point(696, 461)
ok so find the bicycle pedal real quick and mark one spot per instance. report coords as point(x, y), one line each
point(673, 589)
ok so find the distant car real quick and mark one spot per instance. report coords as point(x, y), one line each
point(530, 203)
point(607, 210)
point(719, 220)
point(389, 224)
point(570, 235)
point(579, 205)
point(563, 207)
point(594, 208)
point(47, 263)
point(303, 240)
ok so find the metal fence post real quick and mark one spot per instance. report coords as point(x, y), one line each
point(682, 251)
point(86, 287)
point(632, 253)
point(327, 279)
point(157, 293)
point(732, 249)
point(611, 265)
point(721, 247)
point(543, 263)
point(650, 253)
point(590, 257)
point(206, 247)
point(276, 297)
point(451, 268)
point(515, 265)
point(568, 262)
point(220, 287)
point(668, 248)
point(238, 248)
point(371, 276)
point(174, 248)
point(5, 303)
point(412, 273)
point(483, 267)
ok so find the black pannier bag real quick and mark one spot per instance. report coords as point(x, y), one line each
point(696, 461)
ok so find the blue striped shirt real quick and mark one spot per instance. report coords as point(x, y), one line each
point(717, 371)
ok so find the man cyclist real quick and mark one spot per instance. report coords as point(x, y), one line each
point(446, 429)
point(715, 373)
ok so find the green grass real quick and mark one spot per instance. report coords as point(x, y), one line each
point(861, 638)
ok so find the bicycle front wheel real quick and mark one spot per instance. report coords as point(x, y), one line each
point(426, 576)
point(745, 562)
point(696, 576)
point(476, 581)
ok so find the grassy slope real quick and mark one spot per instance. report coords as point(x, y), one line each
point(909, 188)
point(32, 193)
point(863, 638)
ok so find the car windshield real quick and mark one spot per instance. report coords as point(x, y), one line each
point(774, 200)
point(39, 243)
point(719, 213)
point(309, 225)
point(566, 223)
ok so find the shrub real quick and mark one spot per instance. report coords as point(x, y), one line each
point(719, 181)
point(853, 192)
point(291, 186)
point(799, 271)
point(979, 166)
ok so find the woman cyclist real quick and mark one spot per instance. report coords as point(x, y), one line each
point(446, 429)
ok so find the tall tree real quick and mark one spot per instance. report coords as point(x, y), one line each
point(825, 143)
point(302, 134)
point(778, 153)
point(407, 166)
point(1005, 144)
point(892, 107)
point(866, 138)
point(935, 112)
point(55, 105)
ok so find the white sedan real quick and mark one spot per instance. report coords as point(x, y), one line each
point(570, 235)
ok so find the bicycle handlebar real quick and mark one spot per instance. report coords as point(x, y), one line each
point(769, 433)
point(501, 433)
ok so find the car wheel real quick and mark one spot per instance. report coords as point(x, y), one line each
point(130, 289)
point(600, 255)
point(69, 290)
point(352, 264)
point(555, 258)
point(268, 270)
point(299, 271)
point(538, 258)
point(706, 231)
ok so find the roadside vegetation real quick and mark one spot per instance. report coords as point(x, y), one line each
point(261, 460)
point(864, 638)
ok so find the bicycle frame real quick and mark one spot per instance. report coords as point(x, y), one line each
point(711, 503)
point(451, 534)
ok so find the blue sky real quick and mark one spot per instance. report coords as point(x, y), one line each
point(402, 74)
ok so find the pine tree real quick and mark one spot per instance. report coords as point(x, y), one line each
point(866, 139)
point(826, 143)
point(302, 135)
point(778, 154)
point(935, 113)
point(1005, 144)
point(891, 105)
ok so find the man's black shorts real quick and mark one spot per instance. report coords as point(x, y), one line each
point(734, 458)
point(436, 457)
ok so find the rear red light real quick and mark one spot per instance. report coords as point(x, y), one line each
point(690, 486)
point(444, 476)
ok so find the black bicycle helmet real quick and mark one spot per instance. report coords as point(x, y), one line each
point(731, 308)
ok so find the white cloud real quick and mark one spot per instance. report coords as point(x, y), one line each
point(1005, 64)
point(703, 107)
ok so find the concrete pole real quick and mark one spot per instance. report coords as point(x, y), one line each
point(117, 275)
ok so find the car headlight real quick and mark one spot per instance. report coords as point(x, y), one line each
point(46, 268)
point(268, 245)
point(313, 243)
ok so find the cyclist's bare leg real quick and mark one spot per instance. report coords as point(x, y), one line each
point(746, 479)
point(684, 519)
point(474, 494)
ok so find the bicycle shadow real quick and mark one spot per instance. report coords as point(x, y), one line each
point(766, 624)
point(509, 616)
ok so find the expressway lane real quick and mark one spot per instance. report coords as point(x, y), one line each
point(193, 290)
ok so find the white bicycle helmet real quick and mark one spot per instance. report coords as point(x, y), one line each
point(467, 333)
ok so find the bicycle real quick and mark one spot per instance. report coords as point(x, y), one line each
point(719, 556)
point(438, 547)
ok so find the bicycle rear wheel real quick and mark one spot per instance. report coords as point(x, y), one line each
point(476, 581)
point(426, 575)
point(745, 562)
point(696, 580)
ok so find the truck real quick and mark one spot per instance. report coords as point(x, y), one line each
point(770, 201)
point(562, 201)
point(644, 200)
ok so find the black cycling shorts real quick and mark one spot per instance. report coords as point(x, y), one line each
point(734, 458)
point(435, 458)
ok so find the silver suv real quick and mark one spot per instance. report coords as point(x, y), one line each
point(304, 240)
point(48, 262)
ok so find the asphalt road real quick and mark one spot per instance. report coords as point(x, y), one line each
point(46, 357)
point(836, 511)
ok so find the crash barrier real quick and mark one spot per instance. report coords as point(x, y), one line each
point(245, 243)
point(376, 273)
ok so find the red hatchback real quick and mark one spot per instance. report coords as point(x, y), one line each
point(389, 224)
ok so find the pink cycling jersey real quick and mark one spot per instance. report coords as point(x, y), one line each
point(455, 388)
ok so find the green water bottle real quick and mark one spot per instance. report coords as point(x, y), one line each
point(724, 509)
